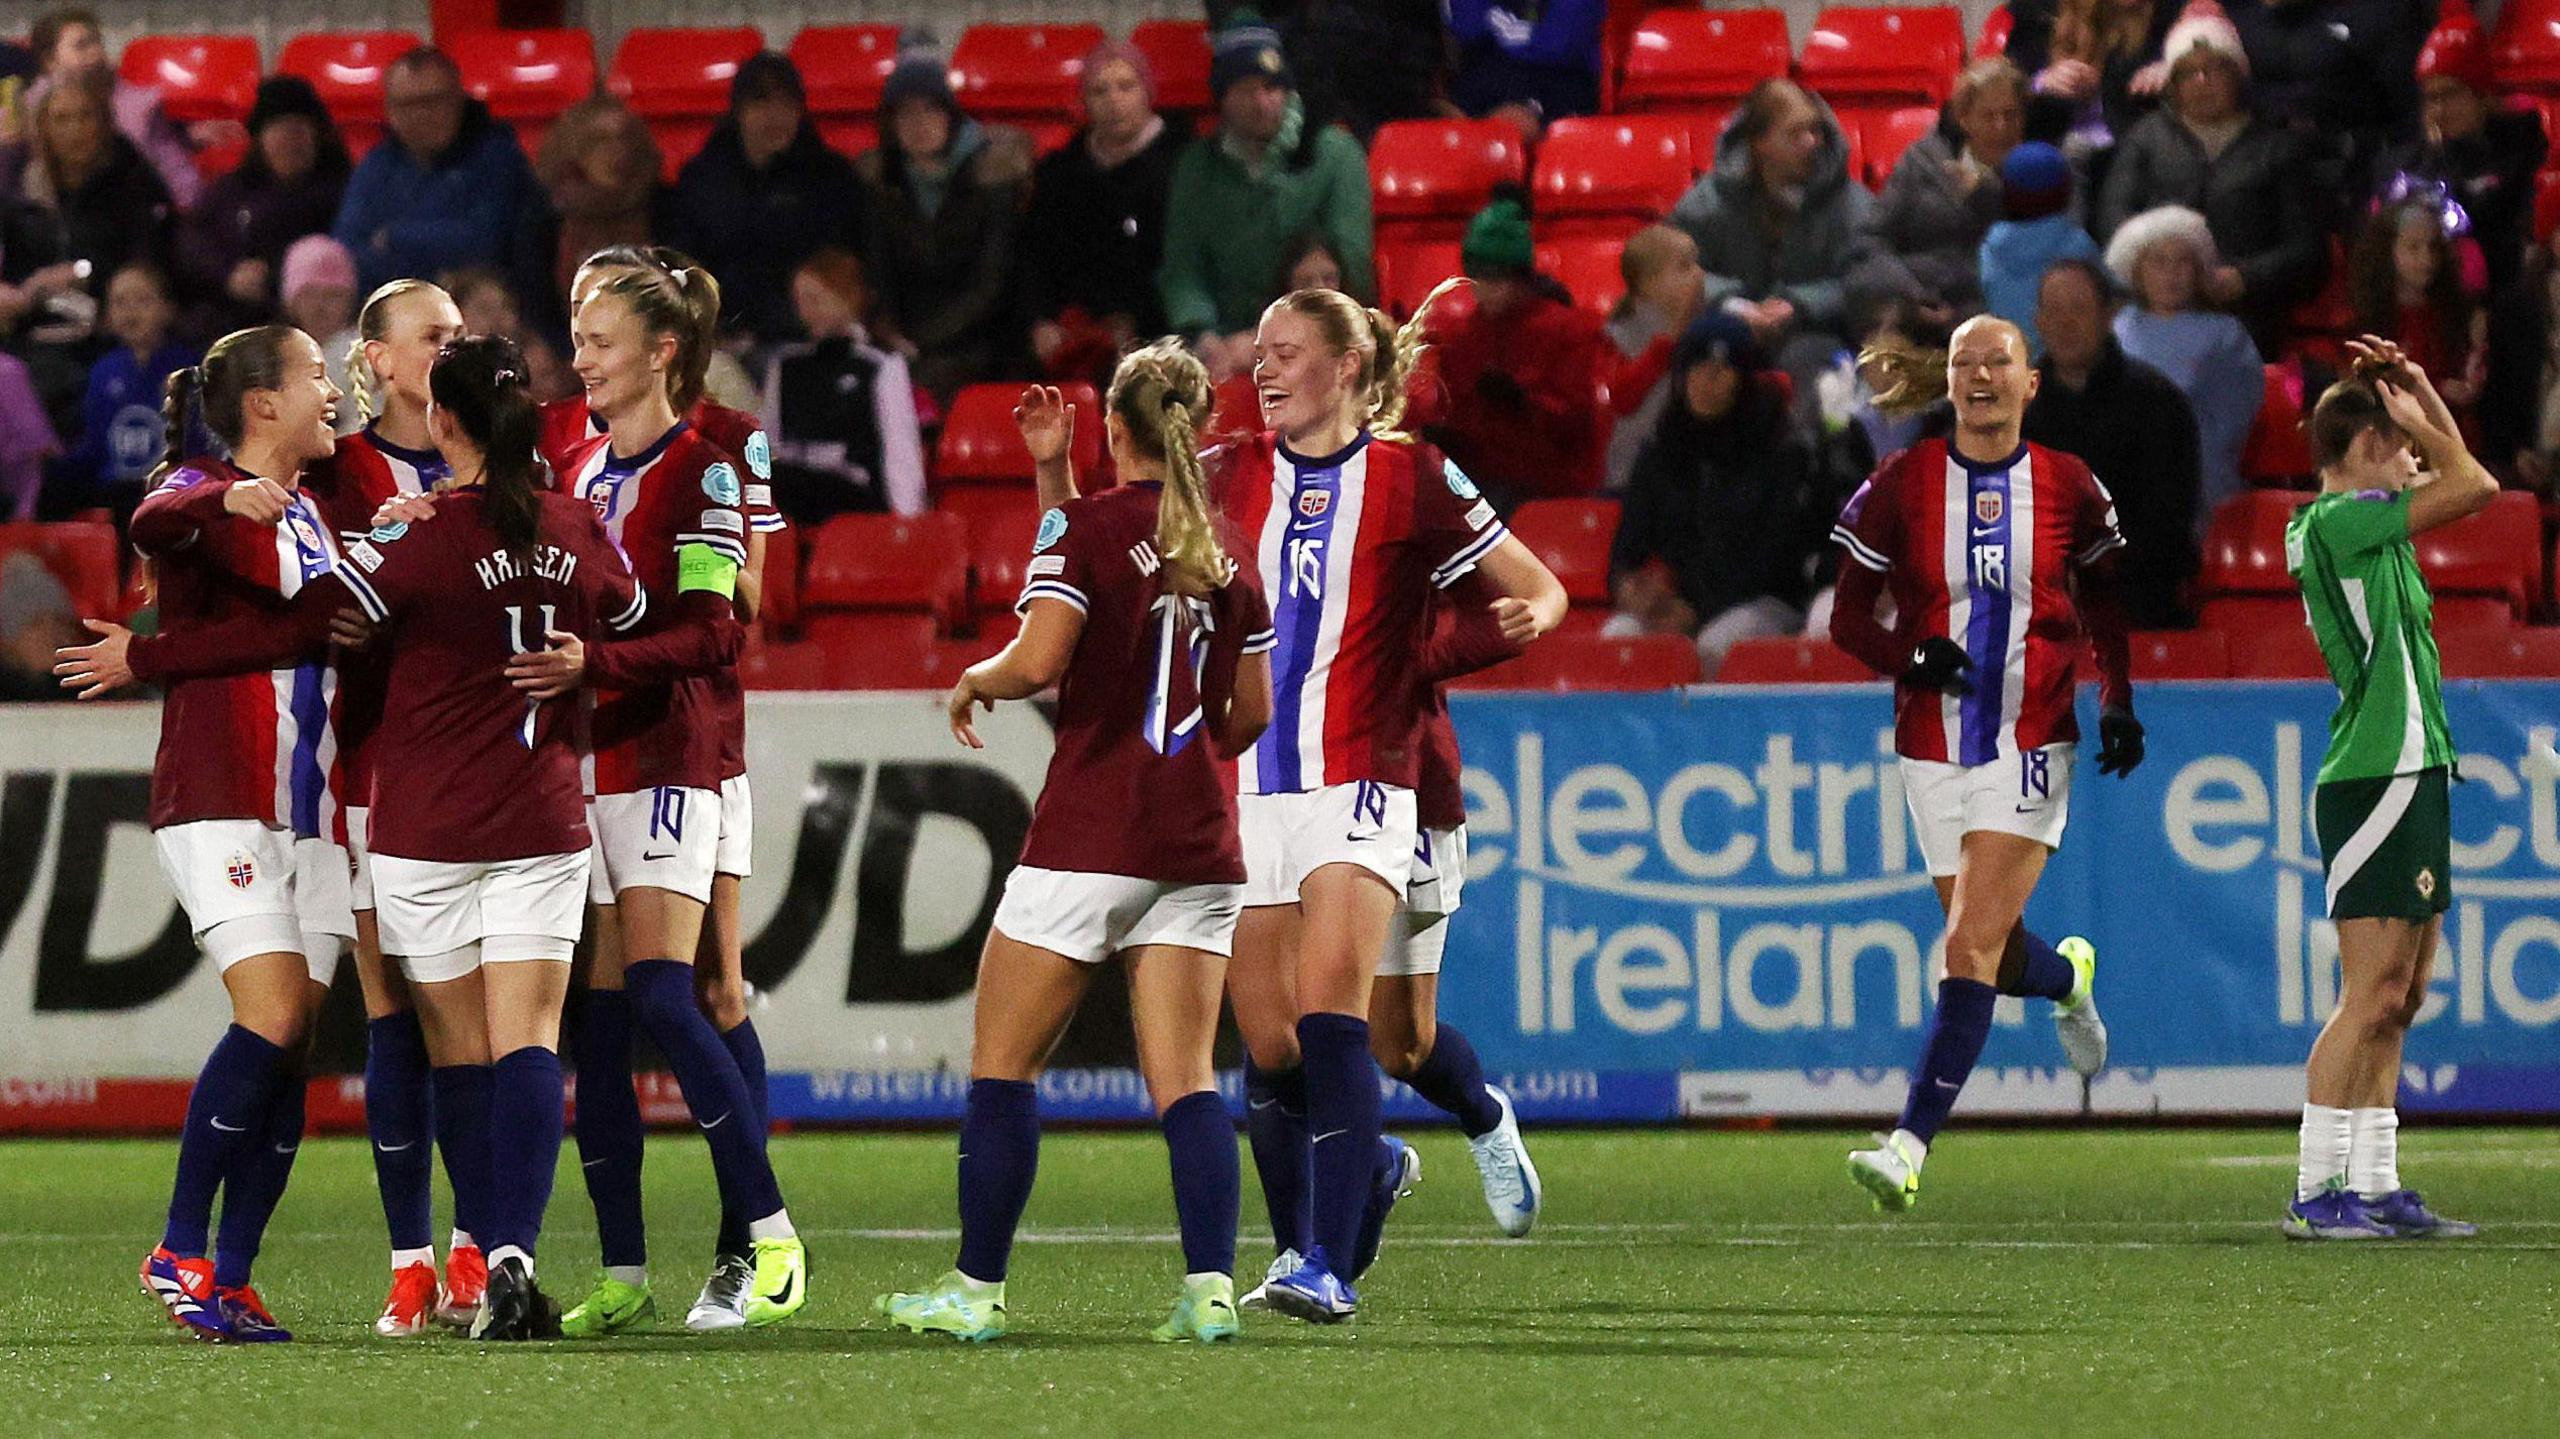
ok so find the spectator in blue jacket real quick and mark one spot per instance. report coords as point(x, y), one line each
point(1528, 61)
point(2037, 231)
point(448, 187)
point(121, 428)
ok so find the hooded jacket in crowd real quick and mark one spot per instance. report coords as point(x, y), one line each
point(1755, 246)
point(476, 203)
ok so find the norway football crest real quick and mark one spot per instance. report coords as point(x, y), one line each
point(1988, 506)
point(241, 870)
point(1313, 503)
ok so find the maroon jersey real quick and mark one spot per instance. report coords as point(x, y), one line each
point(472, 770)
point(681, 491)
point(365, 471)
point(1133, 788)
point(567, 425)
point(246, 746)
point(1438, 801)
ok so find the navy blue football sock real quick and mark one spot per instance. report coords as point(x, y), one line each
point(2046, 974)
point(1956, 1036)
point(1452, 1078)
point(225, 1113)
point(400, 1120)
point(1342, 1117)
point(462, 1132)
point(999, 1157)
point(524, 1136)
point(1200, 1140)
point(746, 1048)
point(258, 1175)
point(661, 992)
point(1275, 1120)
point(610, 1135)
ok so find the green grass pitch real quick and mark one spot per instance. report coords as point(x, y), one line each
point(2063, 1283)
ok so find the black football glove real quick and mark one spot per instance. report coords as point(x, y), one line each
point(1940, 664)
point(2119, 742)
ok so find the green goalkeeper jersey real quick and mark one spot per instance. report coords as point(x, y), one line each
point(2370, 611)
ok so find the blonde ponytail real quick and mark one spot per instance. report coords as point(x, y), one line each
point(1915, 376)
point(373, 322)
point(1388, 352)
point(1162, 393)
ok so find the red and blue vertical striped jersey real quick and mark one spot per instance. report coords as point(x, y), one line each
point(682, 490)
point(256, 746)
point(1984, 555)
point(1349, 548)
point(365, 470)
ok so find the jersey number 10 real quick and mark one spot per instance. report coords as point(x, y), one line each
point(1182, 624)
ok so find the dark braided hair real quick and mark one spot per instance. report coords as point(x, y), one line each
point(480, 381)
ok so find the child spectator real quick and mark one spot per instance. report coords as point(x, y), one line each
point(840, 410)
point(2035, 187)
point(2405, 278)
point(1665, 287)
point(2163, 257)
point(319, 294)
point(122, 431)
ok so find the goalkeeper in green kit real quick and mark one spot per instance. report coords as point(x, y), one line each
point(2392, 465)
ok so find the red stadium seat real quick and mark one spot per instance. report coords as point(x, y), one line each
point(2277, 652)
point(1235, 410)
point(877, 651)
point(1897, 54)
point(2244, 546)
point(1407, 271)
point(2176, 655)
point(529, 75)
point(2500, 653)
point(669, 72)
point(1677, 58)
point(2239, 614)
point(979, 442)
point(199, 77)
point(915, 563)
point(845, 67)
point(1428, 177)
point(2458, 611)
point(2524, 50)
point(1607, 174)
point(1572, 537)
point(1890, 132)
point(1791, 660)
point(1022, 73)
point(83, 555)
point(2494, 554)
point(1178, 51)
point(999, 548)
point(979, 505)
point(1994, 39)
point(780, 606)
point(347, 68)
point(1588, 268)
point(1563, 662)
point(2278, 453)
point(797, 665)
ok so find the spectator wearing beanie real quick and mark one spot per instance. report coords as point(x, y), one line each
point(2132, 426)
point(1780, 226)
point(318, 289)
point(1361, 62)
point(1718, 533)
point(447, 187)
point(2483, 151)
point(2162, 258)
point(764, 194)
point(1509, 386)
point(1243, 194)
point(289, 185)
point(1924, 236)
point(2039, 231)
point(943, 201)
point(1098, 212)
point(2249, 176)
point(1527, 61)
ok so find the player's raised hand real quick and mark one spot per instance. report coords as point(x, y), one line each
point(1047, 423)
point(99, 667)
point(549, 674)
point(259, 501)
point(404, 510)
point(964, 701)
point(1519, 622)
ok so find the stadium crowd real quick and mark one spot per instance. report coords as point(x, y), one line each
point(2184, 207)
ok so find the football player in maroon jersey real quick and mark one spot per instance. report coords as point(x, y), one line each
point(1156, 641)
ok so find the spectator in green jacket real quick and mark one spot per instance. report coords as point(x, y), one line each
point(1240, 199)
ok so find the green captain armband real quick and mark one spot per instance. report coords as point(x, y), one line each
point(700, 567)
